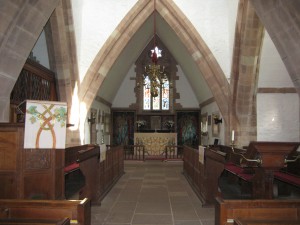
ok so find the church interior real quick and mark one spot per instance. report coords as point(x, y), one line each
point(150, 112)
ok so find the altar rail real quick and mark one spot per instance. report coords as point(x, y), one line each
point(134, 152)
point(254, 212)
point(138, 152)
point(78, 211)
point(174, 152)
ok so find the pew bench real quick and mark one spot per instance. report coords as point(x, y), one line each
point(78, 211)
point(287, 178)
point(71, 168)
point(71, 160)
point(291, 172)
point(65, 221)
point(240, 177)
point(243, 173)
point(235, 164)
point(230, 211)
point(264, 222)
point(81, 166)
point(74, 155)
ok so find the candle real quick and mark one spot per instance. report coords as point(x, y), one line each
point(232, 135)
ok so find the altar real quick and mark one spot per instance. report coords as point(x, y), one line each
point(155, 143)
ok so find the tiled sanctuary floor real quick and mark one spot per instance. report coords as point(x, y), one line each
point(152, 192)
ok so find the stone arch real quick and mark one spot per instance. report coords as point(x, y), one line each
point(282, 21)
point(19, 31)
point(201, 54)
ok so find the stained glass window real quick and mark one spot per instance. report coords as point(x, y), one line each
point(147, 95)
point(165, 96)
point(162, 101)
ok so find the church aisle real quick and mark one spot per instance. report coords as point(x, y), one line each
point(152, 192)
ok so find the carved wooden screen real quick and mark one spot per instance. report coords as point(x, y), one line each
point(35, 82)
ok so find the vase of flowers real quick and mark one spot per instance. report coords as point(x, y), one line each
point(140, 124)
point(169, 124)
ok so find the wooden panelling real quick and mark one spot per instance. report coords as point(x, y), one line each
point(98, 176)
point(203, 177)
point(28, 173)
point(8, 148)
point(78, 211)
point(287, 211)
point(8, 187)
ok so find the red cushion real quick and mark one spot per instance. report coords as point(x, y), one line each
point(71, 167)
point(288, 178)
point(239, 171)
point(246, 176)
point(233, 168)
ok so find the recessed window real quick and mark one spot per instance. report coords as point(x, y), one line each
point(155, 75)
point(162, 100)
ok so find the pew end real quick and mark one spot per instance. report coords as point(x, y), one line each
point(257, 211)
point(78, 211)
point(65, 221)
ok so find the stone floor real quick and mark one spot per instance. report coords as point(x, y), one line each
point(152, 192)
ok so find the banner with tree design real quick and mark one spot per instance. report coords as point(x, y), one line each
point(45, 124)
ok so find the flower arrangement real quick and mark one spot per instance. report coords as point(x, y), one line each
point(204, 133)
point(169, 123)
point(141, 123)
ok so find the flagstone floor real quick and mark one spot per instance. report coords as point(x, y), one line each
point(152, 192)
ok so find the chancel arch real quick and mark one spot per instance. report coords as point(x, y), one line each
point(134, 19)
point(205, 61)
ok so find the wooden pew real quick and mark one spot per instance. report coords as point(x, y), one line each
point(81, 170)
point(88, 159)
point(100, 176)
point(203, 178)
point(111, 169)
point(258, 166)
point(288, 178)
point(65, 221)
point(263, 222)
point(237, 170)
point(257, 212)
point(78, 211)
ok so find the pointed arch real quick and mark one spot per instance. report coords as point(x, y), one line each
point(24, 21)
point(197, 48)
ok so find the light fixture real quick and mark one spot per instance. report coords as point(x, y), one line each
point(92, 120)
point(217, 119)
point(154, 72)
